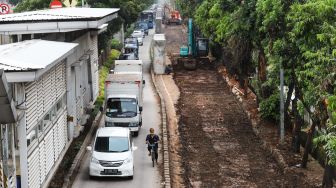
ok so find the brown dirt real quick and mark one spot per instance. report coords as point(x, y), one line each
point(218, 147)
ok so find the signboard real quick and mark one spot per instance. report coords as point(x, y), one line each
point(56, 4)
point(4, 8)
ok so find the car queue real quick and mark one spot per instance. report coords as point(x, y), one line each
point(112, 150)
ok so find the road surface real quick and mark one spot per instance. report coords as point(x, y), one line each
point(144, 174)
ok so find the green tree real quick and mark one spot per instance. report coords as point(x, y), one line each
point(30, 5)
point(268, 34)
point(313, 34)
point(127, 15)
point(328, 140)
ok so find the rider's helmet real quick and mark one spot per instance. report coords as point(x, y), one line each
point(151, 130)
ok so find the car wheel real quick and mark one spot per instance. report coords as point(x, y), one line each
point(130, 177)
point(136, 133)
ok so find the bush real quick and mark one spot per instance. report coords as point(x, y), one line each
point(115, 44)
point(103, 72)
point(270, 107)
point(115, 54)
point(130, 30)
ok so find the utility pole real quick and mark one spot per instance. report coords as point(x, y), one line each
point(282, 115)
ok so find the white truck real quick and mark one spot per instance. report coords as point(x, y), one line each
point(123, 101)
point(129, 67)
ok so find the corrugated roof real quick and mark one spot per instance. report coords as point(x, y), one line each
point(32, 54)
point(59, 14)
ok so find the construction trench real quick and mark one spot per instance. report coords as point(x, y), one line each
point(213, 144)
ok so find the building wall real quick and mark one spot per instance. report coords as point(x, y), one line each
point(82, 81)
point(4, 39)
point(43, 128)
point(75, 83)
point(94, 66)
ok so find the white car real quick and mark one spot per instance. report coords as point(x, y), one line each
point(112, 153)
point(138, 33)
point(140, 41)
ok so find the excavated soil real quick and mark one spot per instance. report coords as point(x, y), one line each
point(218, 146)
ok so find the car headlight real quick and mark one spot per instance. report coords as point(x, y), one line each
point(94, 160)
point(128, 160)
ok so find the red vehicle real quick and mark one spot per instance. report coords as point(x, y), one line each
point(171, 16)
point(175, 17)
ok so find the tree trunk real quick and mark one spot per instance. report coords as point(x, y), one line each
point(308, 145)
point(287, 103)
point(261, 66)
point(328, 176)
point(298, 121)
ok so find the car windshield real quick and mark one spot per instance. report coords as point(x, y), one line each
point(144, 26)
point(130, 41)
point(121, 107)
point(111, 144)
point(130, 49)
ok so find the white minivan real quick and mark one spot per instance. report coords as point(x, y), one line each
point(112, 153)
point(139, 35)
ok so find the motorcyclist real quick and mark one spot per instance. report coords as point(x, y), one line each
point(152, 139)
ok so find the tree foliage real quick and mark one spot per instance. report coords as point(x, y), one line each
point(30, 5)
point(299, 36)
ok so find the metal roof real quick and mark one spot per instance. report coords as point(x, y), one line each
point(59, 14)
point(56, 20)
point(33, 54)
point(123, 77)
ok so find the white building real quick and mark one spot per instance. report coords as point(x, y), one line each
point(53, 83)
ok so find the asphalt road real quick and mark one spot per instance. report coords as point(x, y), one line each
point(144, 174)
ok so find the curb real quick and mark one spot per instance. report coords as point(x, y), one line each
point(166, 171)
point(73, 171)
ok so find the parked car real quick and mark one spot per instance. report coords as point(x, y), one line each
point(138, 33)
point(112, 153)
point(132, 48)
point(150, 24)
point(132, 40)
point(142, 25)
point(140, 41)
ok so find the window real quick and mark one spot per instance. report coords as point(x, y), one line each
point(111, 144)
point(40, 128)
point(53, 113)
point(31, 137)
point(46, 120)
point(60, 104)
point(121, 107)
